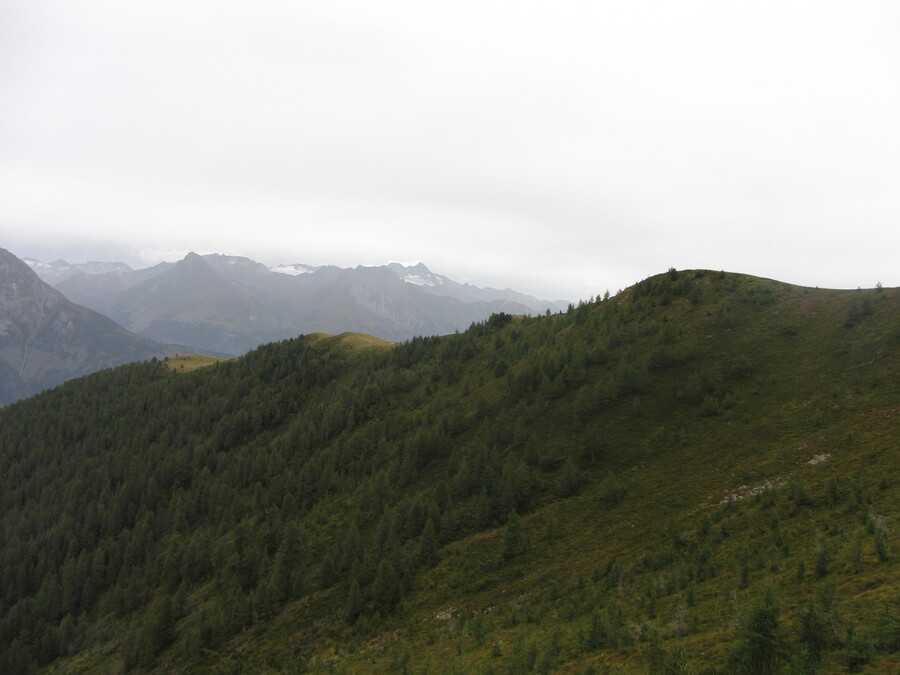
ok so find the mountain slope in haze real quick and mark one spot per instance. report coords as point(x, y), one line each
point(45, 339)
point(59, 271)
point(697, 475)
point(231, 304)
point(95, 285)
point(375, 300)
point(193, 303)
point(438, 284)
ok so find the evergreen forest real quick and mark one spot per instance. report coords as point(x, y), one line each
point(699, 474)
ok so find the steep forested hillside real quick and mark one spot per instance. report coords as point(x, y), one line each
point(697, 475)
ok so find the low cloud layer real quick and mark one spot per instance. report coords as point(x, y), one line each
point(561, 150)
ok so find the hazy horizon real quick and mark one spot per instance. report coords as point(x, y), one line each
point(561, 151)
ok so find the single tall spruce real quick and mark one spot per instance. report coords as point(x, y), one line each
point(386, 588)
point(760, 644)
point(515, 538)
point(354, 600)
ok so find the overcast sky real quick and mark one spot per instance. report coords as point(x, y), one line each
point(560, 148)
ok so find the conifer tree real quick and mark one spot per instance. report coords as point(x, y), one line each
point(482, 510)
point(327, 571)
point(428, 544)
point(569, 478)
point(813, 634)
point(760, 646)
point(515, 538)
point(354, 600)
point(386, 588)
point(280, 576)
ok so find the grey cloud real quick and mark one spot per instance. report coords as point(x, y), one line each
point(576, 147)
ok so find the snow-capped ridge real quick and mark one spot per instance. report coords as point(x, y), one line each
point(294, 269)
point(59, 270)
point(417, 275)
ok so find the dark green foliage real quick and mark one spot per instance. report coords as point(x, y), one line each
point(612, 490)
point(569, 478)
point(313, 488)
point(887, 628)
point(386, 589)
point(327, 571)
point(606, 629)
point(354, 600)
point(760, 647)
point(859, 310)
point(515, 537)
point(823, 557)
point(799, 494)
point(152, 637)
point(858, 650)
point(664, 660)
point(814, 634)
point(428, 544)
point(159, 630)
point(881, 545)
point(522, 656)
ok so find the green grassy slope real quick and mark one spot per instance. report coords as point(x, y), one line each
point(697, 475)
point(188, 363)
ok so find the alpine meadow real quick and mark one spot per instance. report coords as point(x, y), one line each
point(698, 474)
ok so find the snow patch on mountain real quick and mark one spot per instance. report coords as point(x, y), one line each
point(417, 275)
point(295, 269)
point(419, 280)
point(60, 270)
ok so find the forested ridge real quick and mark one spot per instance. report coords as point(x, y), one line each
point(698, 474)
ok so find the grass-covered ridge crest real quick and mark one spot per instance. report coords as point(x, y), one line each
point(636, 485)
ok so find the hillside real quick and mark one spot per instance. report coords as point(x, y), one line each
point(45, 339)
point(697, 475)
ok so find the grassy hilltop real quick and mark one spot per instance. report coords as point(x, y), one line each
point(698, 475)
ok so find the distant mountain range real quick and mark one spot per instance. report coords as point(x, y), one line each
point(229, 304)
point(45, 339)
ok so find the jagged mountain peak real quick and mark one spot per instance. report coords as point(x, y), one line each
point(20, 286)
point(192, 267)
point(418, 275)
